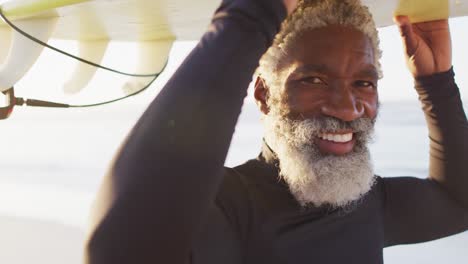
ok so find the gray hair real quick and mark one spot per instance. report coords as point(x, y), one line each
point(311, 14)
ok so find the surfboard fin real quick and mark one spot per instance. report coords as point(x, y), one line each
point(92, 51)
point(22, 52)
point(152, 58)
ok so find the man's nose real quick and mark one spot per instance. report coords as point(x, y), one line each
point(343, 104)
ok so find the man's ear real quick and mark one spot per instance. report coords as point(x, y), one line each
point(261, 94)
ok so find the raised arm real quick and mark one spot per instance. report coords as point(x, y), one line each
point(421, 210)
point(168, 171)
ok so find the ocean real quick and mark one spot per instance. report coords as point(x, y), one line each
point(52, 162)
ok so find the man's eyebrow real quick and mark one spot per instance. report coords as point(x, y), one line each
point(304, 69)
point(369, 72)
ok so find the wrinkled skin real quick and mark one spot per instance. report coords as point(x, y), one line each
point(325, 78)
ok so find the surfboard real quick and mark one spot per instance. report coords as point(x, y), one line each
point(154, 24)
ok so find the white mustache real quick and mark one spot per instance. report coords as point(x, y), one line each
point(306, 130)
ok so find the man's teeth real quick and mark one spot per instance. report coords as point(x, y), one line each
point(339, 138)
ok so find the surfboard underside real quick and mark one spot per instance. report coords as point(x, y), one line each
point(144, 20)
point(155, 23)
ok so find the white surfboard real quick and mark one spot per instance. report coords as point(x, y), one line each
point(156, 24)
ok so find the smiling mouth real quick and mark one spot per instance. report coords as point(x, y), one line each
point(336, 143)
point(337, 137)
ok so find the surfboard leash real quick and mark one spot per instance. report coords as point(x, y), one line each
point(12, 100)
point(40, 42)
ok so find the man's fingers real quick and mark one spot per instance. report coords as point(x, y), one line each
point(290, 5)
point(410, 39)
point(433, 25)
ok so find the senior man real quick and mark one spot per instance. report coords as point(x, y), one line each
point(311, 196)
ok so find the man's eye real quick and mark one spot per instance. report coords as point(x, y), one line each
point(312, 80)
point(365, 84)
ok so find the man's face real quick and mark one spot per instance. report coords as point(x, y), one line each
point(320, 124)
point(331, 73)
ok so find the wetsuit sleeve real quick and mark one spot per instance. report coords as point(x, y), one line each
point(168, 170)
point(419, 210)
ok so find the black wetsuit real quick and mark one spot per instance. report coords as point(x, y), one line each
point(168, 198)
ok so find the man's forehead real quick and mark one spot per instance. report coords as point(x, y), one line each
point(334, 36)
point(331, 49)
point(364, 70)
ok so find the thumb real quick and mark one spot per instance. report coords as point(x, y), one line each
point(410, 39)
point(290, 5)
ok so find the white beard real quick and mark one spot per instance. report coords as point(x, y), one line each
point(314, 178)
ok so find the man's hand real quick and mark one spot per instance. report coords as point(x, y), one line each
point(427, 45)
point(290, 5)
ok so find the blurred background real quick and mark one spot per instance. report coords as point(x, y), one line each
point(53, 160)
